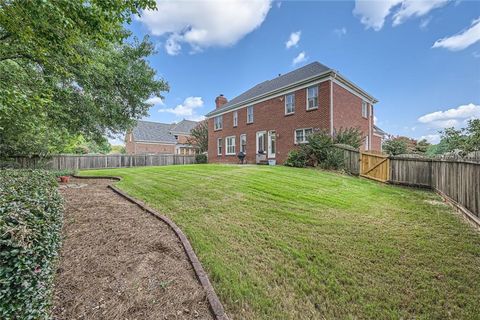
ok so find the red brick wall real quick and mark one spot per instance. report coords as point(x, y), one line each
point(132, 147)
point(347, 113)
point(270, 115)
point(376, 143)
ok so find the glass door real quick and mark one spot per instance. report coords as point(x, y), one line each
point(272, 144)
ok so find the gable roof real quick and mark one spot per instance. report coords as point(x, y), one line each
point(305, 73)
point(184, 126)
point(160, 132)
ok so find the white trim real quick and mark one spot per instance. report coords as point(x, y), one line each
point(269, 144)
point(352, 91)
point(256, 140)
point(253, 114)
point(289, 94)
point(307, 97)
point(226, 146)
point(370, 119)
point(235, 118)
point(304, 135)
point(311, 84)
point(378, 135)
point(220, 116)
point(331, 108)
point(365, 104)
point(219, 146)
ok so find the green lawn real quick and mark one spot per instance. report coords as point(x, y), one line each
point(287, 243)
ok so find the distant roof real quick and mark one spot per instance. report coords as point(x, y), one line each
point(184, 126)
point(301, 74)
point(161, 132)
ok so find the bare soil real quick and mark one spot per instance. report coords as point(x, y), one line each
point(118, 262)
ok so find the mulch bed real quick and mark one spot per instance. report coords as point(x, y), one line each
point(118, 262)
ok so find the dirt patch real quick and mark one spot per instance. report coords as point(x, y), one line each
point(118, 262)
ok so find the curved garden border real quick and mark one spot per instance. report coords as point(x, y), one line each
point(213, 300)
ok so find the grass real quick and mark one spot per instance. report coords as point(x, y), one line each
point(288, 243)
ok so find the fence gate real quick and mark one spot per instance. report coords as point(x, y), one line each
point(375, 166)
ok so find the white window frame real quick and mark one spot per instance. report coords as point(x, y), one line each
point(249, 114)
point(304, 135)
point(243, 137)
point(287, 104)
point(218, 123)
point(219, 146)
point(227, 140)
point(235, 119)
point(272, 141)
point(308, 97)
point(364, 109)
point(367, 143)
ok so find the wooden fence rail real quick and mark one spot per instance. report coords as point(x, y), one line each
point(458, 180)
point(77, 162)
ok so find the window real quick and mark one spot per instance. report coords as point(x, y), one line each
point(235, 118)
point(261, 142)
point(250, 114)
point(230, 145)
point(290, 103)
point(366, 143)
point(312, 98)
point(364, 109)
point(302, 134)
point(243, 143)
point(218, 122)
point(219, 146)
point(272, 144)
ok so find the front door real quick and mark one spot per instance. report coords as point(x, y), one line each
point(272, 144)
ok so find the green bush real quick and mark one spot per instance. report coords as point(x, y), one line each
point(350, 136)
point(296, 158)
point(30, 226)
point(334, 160)
point(201, 158)
point(64, 172)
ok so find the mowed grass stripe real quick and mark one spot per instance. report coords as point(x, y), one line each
point(287, 243)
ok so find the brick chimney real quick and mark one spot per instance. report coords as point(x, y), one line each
point(220, 101)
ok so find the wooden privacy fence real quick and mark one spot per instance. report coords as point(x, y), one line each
point(77, 162)
point(457, 180)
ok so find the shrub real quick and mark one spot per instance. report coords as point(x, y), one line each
point(63, 172)
point(349, 136)
point(30, 225)
point(334, 159)
point(201, 158)
point(296, 158)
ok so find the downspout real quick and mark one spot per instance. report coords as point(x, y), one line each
point(331, 102)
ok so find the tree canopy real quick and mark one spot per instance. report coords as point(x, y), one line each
point(69, 68)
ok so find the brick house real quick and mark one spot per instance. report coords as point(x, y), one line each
point(154, 137)
point(270, 119)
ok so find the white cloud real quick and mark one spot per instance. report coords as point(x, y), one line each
point(279, 4)
point(203, 24)
point(375, 120)
point(187, 108)
point(454, 117)
point(340, 31)
point(432, 138)
point(461, 40)
point(373, 13)
point(293, 40)
point(425, 22)
point(155, 101)
point(300, 58)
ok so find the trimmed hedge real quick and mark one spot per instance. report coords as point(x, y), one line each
point(201, 158)
point(31, 214)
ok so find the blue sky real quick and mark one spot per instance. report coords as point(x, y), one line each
point(420, 59)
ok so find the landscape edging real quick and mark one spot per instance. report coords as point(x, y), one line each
point(214, 302)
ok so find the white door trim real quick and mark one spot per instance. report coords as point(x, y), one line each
point(269, 147)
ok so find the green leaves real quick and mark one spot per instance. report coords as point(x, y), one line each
point(30, 225)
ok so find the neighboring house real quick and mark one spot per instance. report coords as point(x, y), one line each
point(379, 136)
point(153, 137)
point(270, 119)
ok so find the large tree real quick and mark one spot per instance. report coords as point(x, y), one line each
point(68, 68)
point(199, 136)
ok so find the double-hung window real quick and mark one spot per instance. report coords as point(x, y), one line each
point(364, 109)
point(243, 143)
point(219, 146)
point(250, 114)
point(218, 123)
point(302, 134)
point(235, 118)
point(290, 103)
point(230, 145)
point(312, 98)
